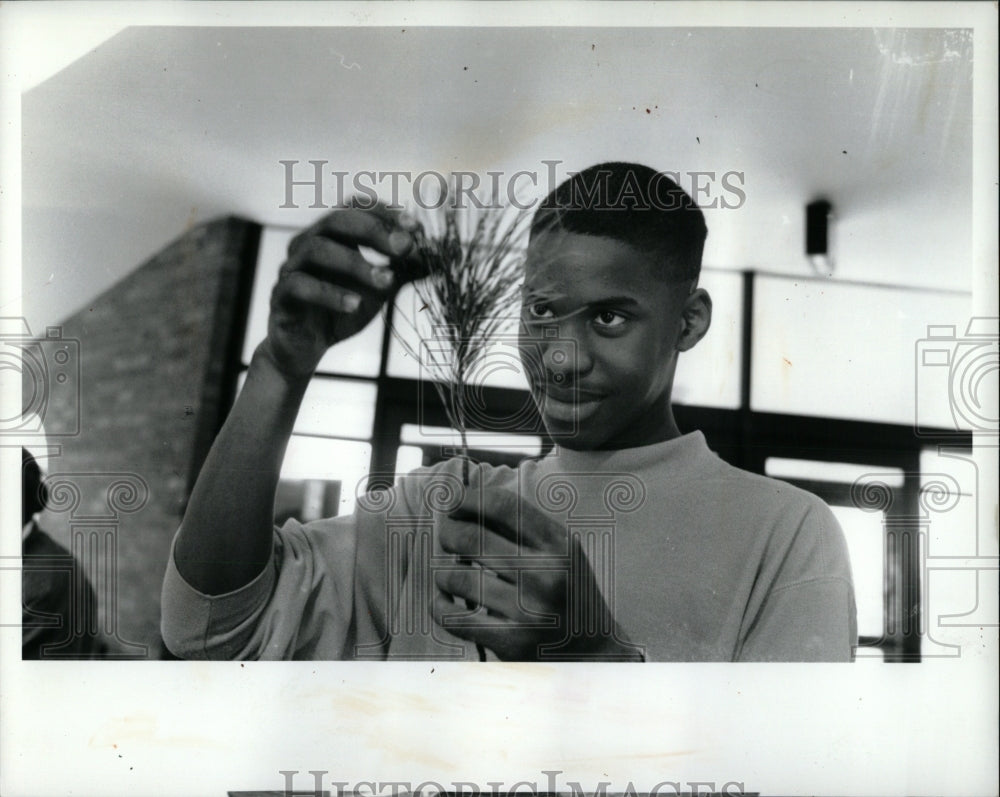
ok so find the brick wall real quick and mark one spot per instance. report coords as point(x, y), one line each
point(157, 353)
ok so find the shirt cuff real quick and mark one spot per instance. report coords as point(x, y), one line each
point(190, 619)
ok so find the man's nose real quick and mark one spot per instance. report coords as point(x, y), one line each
point(564, 360)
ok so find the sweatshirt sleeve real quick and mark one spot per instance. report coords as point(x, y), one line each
point(298, 607)
point(808, 612)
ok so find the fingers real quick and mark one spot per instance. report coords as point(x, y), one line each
point(484, 629)
point(470, 542)
point(481, 587)
point(473, 542)
point(331, 261)
point(526, 600)
point(387, 215)
point(496, 509)
point(379, 228)
point(328, 250)
point(518, 521)
point(516, 639)
point(407, 264)
point(304, 289)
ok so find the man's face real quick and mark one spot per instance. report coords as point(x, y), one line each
point(598, 339)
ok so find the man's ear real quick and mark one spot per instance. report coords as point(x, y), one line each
point(696, 318)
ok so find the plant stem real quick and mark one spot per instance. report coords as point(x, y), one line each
point(465, 455)
point(459, 389)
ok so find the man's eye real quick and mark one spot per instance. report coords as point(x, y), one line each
point(609, 318)
point(540, 310)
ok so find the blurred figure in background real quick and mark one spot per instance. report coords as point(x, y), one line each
point(55, 593)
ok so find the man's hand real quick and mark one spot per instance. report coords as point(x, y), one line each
point(326, 290)
point(557, 613)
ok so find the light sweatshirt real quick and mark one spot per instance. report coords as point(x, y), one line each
point(698, 560)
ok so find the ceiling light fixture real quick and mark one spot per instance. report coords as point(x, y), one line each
point(818, 216)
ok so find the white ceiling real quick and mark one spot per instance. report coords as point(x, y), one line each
point(159, 128)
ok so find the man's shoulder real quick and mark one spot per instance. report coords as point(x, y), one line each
point(798, 520)
point(735, 483)
point(747, 503)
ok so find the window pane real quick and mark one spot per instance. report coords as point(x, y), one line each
point(840, 472)
point(358, 355)
point(408, 458)
point(823, 348)
point(339, 407)
point(317, 458)
point(709, 374)
point(270, 256)
point(863, 531)
point(335, 407)
point(306, 499)
point(423, 435)
point(432, 445)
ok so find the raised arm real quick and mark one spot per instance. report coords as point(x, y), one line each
point(326, 292)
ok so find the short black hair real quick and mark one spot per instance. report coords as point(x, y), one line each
point(634, 204)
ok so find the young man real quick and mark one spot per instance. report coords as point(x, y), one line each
point(630, 542)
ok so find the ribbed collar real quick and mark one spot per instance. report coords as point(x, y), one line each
point(688, 452)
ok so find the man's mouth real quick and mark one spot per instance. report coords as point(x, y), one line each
point(568, 406)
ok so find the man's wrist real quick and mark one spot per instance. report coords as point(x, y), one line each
point(264, 367)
